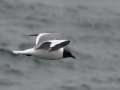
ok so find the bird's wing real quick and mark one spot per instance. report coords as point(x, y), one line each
point(57, 44)
point(53, 45)
point(45, 37)
point(44, 45)
point(52, 41)
point(42, 37)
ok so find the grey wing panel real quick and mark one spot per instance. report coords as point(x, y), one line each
point(58, 46)
point(50, 36)
point(45, 46)
point(43, 40)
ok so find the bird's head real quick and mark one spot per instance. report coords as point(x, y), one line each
point(67, 53)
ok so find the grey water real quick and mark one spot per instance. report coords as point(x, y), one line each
point(93, 26)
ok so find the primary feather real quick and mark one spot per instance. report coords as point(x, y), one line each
point(47, 36)
point(42, 38)
point(53, 45)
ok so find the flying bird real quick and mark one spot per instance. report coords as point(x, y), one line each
point(48, 46)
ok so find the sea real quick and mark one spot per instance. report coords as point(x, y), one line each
point(93, 26)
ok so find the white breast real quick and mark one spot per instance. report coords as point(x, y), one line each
point(58, 54)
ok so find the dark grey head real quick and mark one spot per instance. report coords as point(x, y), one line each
point(67, 53)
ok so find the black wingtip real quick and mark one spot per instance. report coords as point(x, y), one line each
point(60, 45)
point(31, 35)
point(68, 41)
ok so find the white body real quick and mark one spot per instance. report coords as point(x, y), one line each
point(58, 54)
point(45, 52)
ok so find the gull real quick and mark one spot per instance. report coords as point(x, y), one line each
point(48, 46)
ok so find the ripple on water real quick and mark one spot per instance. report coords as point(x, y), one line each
point(85, 87)
point(74, 87)
point(7, 53)
point(14, 72)
point(7, 82)
point(4, 51)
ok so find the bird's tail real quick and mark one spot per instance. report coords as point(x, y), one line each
point(28, 51)
point(17, 52)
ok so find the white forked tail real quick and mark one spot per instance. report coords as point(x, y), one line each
point(28, 51)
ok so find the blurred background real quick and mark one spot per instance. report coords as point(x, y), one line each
point(92, 25)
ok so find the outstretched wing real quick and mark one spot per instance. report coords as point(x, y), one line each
point(53, 45)
point(51, 41)
point(45, 46)
point(42, 37)
point(45, 37)
point(57, 44)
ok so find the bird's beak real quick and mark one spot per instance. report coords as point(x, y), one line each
point(31, 35)
point(73, 57)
